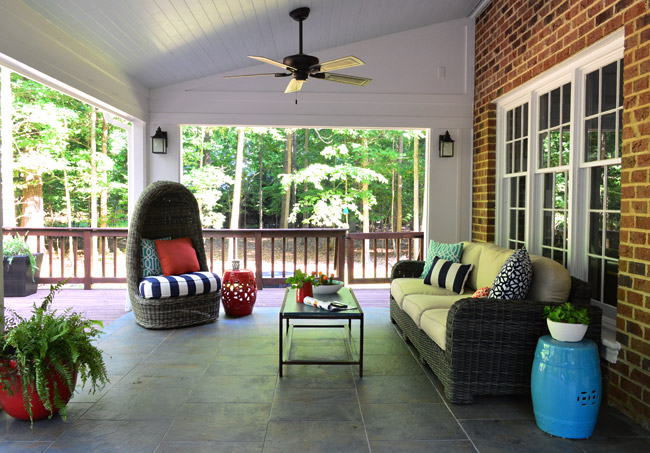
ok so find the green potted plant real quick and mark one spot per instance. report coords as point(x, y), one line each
point(41, 356)
point(303, 284)
point(566, 322)
point(21, 267)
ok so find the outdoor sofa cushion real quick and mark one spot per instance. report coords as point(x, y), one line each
point(195, 283)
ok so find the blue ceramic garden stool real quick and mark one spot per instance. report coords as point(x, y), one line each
point(566, 387)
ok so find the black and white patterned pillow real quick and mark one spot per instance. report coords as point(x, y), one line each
point(514, 279)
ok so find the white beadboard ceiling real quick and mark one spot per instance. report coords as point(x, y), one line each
point(162, 42)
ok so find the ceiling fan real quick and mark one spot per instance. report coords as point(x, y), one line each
point(301, 66)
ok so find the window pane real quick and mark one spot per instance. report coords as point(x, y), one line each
point(560, 229)
point(555, 148)
point(620, 132)
point(512, 234)
point(513, 192)
point(612, 235)
point(611, 282)
point(509, 158)
point(597, 188)
point(620, 83)
point(548, 190)
point(614, 187)
point(596, 233)
point(521, 222)
point(566, 103)
point(543, 112)
point(608, 136)
point(547, 252)
point(518, 122)
point(608, 88)
point(591, 140)
point(591, 94)
point(555, 107)
point(525, 120)
point(595, 277)
point(559, 256)
point(509, 125)
point(517, 154)
point(522, 191)
point(524, 155)
point(560, 190)
point(565, 145)
point(547, 234)
point(543, 150)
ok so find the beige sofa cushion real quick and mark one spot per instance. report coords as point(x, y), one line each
point(401, 287)
point(489, 264)
point(434, 324)
point(416, 304)
point(471, 255)
point(551, 281)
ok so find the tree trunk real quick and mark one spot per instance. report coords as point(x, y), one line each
point(7, 110)
point(32, 212)
point(398, 226)
point(294, 165)
point(392, 202)
point(261, 188)
point(103, 201)
point(416, 184)
point(284, 211)
point(306, 164)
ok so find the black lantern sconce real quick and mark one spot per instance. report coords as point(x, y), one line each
point(446, 145)
point(159, 142)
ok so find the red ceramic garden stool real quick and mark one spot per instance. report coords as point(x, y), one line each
point(238, 292)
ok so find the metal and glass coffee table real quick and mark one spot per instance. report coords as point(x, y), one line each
point(291, 310)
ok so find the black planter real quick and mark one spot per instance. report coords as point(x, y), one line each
point(18, 276)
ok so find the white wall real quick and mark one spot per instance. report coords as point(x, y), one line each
point(422, 79)
point(26, 38)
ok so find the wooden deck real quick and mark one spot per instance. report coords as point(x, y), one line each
point(108, 305)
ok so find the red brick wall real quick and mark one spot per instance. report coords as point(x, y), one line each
point(517, 40)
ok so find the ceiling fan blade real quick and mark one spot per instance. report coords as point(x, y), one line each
point(339, 63)
point(276, 74)
point(343, 78)
point(273, 62)
point(294, 85)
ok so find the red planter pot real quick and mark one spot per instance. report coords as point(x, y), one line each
point(306, 291)
point(14, 405)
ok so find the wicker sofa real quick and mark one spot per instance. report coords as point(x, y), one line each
point(482, 346)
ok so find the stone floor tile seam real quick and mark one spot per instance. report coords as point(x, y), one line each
point(363, 420)
point(444, 401)
point(164, 436)
point(268, 422)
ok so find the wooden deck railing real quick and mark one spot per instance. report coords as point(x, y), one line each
point(97, 255)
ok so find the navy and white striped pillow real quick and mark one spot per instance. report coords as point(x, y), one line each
point(446, 274)
point(194, 283)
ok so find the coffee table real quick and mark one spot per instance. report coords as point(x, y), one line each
point(291, 310)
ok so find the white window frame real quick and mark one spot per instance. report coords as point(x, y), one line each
point(573, 70)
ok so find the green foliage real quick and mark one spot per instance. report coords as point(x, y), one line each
point(13, 246)
point(299, 278)
point(566, 313)
point(47, 341)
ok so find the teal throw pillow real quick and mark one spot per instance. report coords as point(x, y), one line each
point(448, 252)
point(149, 261)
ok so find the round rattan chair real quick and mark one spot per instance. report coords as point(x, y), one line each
point(167, 209)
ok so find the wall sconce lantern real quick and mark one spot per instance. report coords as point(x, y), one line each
point(159, 142)
point(446, 145)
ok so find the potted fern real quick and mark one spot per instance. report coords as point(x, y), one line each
point(566, 322)
point(21, 267)
point(41, 356)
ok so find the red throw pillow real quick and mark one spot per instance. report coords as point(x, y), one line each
point(481, 292)
point(177, 256)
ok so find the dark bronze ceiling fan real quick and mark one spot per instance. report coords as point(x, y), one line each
point(301, 66)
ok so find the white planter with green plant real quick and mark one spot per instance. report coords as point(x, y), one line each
point(566, 322)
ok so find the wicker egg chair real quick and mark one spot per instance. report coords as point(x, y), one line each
point(167, 209)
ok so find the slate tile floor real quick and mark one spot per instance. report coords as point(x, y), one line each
point(215, 388)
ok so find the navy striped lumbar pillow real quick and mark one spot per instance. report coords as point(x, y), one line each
point(446, 274)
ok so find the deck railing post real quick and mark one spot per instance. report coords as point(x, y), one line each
point(347, 249)
point(88, 260)
point(258, 260)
